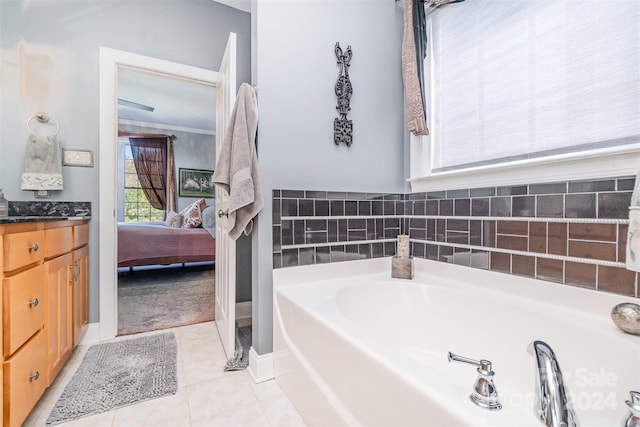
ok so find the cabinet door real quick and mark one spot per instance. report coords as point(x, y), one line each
point(25, 307)
point(22, 249)
point(58, 241)
point(1, 338)
point(25, 380)
point(59, 321)
point(80, 293)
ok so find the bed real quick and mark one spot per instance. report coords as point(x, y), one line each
point(152, 243)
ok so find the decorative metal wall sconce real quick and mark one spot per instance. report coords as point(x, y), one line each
point(343, 127)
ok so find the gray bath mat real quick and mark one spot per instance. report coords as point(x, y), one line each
point(240, 359)
point(117, 374)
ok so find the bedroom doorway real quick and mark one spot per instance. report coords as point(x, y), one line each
point(165, 258)
point(111, 61)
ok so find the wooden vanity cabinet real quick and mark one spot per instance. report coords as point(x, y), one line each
point(2, 334)
point(80, 281)
point(24, 305)
point(59, 325)
point(40, 305)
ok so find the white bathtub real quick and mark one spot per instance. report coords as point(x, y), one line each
point(354, 347)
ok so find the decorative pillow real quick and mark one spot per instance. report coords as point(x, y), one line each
point(209, 219)
point(170, 217)
point(202, 204)
point(191, 215)
point(176, 221)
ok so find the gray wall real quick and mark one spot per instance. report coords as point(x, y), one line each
point(296, 73)
point(49, 62)
point(193, 151)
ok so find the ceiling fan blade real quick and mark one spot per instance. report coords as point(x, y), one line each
point(132, 104)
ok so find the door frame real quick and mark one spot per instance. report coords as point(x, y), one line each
point(110, 61)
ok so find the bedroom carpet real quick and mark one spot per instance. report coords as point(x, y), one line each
point(150, 300)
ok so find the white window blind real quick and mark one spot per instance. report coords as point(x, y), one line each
point(520, 79)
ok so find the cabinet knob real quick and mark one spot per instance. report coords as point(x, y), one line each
point(34, 248)
point(34, 377)
point(34, 302)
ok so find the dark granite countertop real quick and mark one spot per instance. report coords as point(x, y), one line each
point(40, 211)
point(38, 218)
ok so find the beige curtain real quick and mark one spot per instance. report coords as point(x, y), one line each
point(414, 52)
point(155, 166)
point(171, 177)
point(150, 161)
point(413, 94)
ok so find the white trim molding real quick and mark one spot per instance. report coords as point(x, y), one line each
point(165, 126)
point(243, 310)
point(603, 163)
point(260, 366)
point(92, 336)
point(110, 61)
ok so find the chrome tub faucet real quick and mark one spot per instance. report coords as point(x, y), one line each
point(551, 405)
point(633, 419)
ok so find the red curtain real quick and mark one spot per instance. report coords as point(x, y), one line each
point(150, 160)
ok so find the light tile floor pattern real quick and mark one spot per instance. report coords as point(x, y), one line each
point(207, 396)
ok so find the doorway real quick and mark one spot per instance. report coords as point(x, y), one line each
point(111, 61)
point(165, 278)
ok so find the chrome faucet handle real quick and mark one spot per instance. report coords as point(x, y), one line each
point(633, 419)
point(484, 392)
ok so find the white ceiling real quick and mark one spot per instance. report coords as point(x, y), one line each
point(178, 104)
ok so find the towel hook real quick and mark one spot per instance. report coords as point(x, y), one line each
point(43, 118)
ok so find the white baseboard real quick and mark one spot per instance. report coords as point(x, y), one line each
point(243, 310)
point(92, 336)
point(260, 366)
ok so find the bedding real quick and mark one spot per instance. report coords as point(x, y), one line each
point(150, 243)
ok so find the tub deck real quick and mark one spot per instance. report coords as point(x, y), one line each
point(354, 347)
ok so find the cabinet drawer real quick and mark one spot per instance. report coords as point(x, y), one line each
point(25, 379)
point(80, 235)
point(24, 306)
point(58, 241)
point(22, 249)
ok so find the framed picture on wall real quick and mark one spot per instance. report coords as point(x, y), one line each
point(195, 183)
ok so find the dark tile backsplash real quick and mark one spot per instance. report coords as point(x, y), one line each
point(572, 233)
point(322, 226)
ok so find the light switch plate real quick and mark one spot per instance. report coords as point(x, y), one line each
point(77, 158)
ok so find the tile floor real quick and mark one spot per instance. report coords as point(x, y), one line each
point(207, 396)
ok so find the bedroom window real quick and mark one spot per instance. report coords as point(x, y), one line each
point(519, 85)
point(136, 206)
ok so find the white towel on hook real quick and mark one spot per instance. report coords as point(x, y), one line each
point(42, 163)
point(237, 165)
point(633, 238)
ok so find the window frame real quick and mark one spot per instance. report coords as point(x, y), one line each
point(138, 190)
